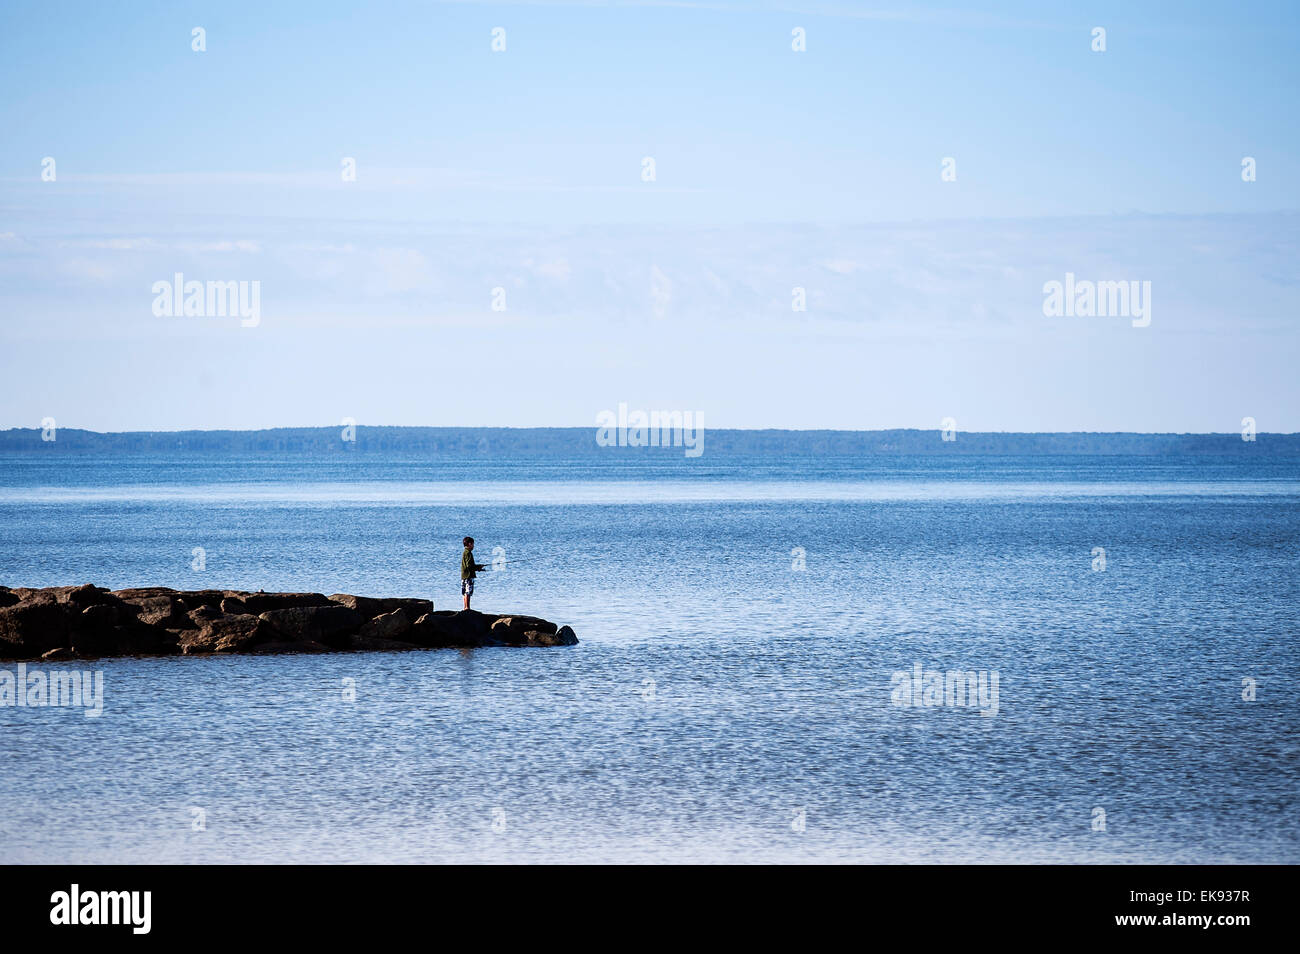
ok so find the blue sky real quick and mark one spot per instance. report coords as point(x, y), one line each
point(775, 169)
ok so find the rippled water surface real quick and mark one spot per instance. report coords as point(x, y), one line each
point(719, 696)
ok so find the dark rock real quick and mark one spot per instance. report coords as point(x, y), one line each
point(103, 616)
point(426, 634)
point(194, 599)
point(524, 623)
point(531, 631)
point(33, 627)
point(217, 632)
point(163, 610)
point(394, 625)
point(515, 630)
point(372, 607)
point(259, 602)
point(126, 639)
point(88, 595)
point(84, 621)
point(564, 636)
point(331, 625)
point(111, 629)
point(445, 629)
point(144, 592)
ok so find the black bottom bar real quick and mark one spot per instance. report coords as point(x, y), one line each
point(328, 904)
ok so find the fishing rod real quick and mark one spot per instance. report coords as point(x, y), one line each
point(525, 560)
point(510, 562)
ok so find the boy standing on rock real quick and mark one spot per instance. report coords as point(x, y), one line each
point(468, 569)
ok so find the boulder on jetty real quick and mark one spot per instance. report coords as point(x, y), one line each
point(61, 622)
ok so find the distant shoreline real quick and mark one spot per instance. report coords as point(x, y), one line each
point(569, 442)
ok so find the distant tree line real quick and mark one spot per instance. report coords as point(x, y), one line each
point(580, 442)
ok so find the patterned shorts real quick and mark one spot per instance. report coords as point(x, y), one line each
point(466, 587)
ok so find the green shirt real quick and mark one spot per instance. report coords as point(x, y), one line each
point(467, 564)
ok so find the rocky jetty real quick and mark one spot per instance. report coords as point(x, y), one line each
point(61, 622)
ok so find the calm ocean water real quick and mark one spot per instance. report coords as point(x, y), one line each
point(723, 705)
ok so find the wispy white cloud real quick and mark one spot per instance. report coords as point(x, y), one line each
point(558, 270)
point(979, 277)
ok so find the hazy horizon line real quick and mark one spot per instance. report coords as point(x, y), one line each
point(583, 427)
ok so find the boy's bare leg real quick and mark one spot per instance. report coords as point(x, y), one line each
point(466, 601)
